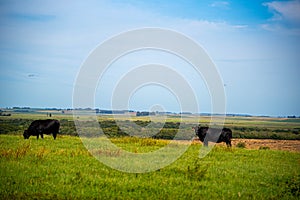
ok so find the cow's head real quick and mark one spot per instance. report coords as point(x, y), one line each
point(200, 132)
point(195, 128)
point(26, 134)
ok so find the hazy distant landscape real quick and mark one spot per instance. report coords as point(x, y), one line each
point(10, 110)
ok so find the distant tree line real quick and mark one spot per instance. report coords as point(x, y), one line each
point(144, 113)
point(293, 116)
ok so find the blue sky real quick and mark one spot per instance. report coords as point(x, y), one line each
point(254, 44)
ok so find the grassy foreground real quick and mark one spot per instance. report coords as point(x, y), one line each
point(64, 169)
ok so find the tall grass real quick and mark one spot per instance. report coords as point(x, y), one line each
point(64, 169)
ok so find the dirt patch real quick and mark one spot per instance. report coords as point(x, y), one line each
point(287, 145)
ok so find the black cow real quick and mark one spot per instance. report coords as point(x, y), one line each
point(206, 134)
point(39, 127)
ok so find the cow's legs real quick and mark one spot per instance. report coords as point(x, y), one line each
point(228, 143)
point(54, 136)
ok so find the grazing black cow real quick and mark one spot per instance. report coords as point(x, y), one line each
point(39, 127)
point(206, 134)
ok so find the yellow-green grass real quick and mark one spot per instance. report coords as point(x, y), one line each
point(64, 169)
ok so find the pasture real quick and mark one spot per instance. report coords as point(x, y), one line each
point(64, 169)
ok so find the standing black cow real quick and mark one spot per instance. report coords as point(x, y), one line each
point(39, 127)
point(206, 134)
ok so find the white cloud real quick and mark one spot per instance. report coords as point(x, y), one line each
point(286, 16)
point(288, 10)
point(220, 4)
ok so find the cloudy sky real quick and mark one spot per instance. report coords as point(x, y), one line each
point(254, 45)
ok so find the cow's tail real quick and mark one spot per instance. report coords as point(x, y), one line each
point(229, 137)
point(57, 125)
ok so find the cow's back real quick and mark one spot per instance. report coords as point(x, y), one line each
point(47, 125)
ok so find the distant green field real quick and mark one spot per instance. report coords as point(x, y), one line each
point(242, 127)
point(64, 169)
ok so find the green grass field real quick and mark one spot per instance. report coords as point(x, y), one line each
point(64, 169)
